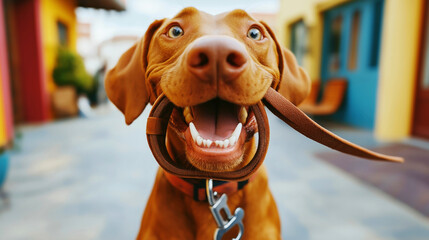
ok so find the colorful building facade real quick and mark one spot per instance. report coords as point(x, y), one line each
point(35, 30)
point(378, 46)
point(31, 31)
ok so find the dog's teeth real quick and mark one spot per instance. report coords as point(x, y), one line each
point(231, 141)
point(188, 115)
point(235, 135)
point(237, 130)
point(194, 132)
point(199, 141)
point(189, 118)
point(186, 111)
point(242, 115)
point(225, 143)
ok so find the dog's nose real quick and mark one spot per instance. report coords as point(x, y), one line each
point(214, 58)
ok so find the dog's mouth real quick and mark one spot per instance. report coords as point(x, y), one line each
point(215, 133)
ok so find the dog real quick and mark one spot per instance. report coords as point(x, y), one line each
point(212, 68)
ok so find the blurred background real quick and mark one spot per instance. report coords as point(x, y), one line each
point(71, 169)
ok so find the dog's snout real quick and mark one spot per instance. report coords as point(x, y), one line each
point(217, 58)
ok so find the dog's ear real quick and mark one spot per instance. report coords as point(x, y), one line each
point(294, 83)
point(125, 84)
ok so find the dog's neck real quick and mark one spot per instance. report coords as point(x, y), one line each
point(196, 188)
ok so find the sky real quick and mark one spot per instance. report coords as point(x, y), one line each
point(140, 13)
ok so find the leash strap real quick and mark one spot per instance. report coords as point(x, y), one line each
point(294, 117)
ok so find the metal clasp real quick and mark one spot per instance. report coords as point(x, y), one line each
point(218, 204)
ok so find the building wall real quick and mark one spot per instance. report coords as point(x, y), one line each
point(54, 11)
point(31, 98)
point(398, 58)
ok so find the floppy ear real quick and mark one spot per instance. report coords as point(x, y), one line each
point(294, 83)
point(126, 83)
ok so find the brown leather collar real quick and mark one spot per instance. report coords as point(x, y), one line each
point(156, 129)
point(196, 188)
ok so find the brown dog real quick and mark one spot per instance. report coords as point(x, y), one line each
point(212, 68)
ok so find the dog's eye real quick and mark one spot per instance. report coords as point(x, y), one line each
point(175, 32)
point(255, 34)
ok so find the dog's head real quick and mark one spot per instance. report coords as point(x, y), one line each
point(212, 68)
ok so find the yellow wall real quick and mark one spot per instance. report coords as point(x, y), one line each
point(398, 68)
point(53, 11)
point(3, 134)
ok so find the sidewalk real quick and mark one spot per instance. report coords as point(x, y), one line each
point(90, 179)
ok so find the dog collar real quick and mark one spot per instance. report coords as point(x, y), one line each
point(196, 188)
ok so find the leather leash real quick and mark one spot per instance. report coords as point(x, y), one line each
point(159, 116)
point(294, 117)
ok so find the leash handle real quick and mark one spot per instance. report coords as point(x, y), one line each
point(220, 204)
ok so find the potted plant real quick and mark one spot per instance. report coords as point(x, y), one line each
point(72, 80)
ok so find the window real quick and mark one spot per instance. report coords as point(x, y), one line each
point(299, 41)
point(354, 41)
point(62, 33)
point(334, 44)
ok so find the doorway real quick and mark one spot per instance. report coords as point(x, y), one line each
point(350, 50)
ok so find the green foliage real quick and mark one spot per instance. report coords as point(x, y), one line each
point(70, 71)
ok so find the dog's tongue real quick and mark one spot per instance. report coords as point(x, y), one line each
point(215, 119)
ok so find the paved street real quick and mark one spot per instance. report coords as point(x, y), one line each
point(90, 179)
